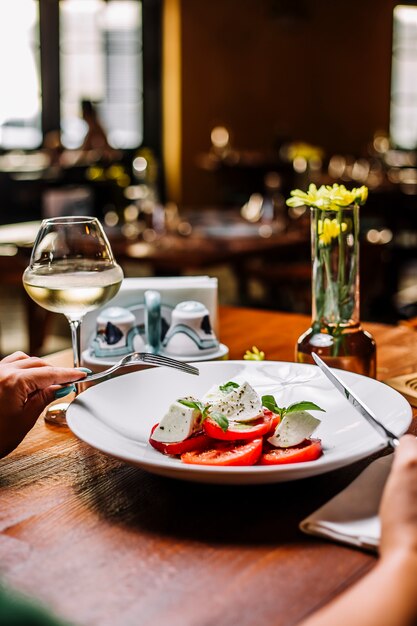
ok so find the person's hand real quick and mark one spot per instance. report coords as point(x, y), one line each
point(27, 386)
point(387, 594)
point(398, 511)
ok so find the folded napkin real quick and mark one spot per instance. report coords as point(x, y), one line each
point(352, 516)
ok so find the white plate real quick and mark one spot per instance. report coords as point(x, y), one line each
point(116, 416)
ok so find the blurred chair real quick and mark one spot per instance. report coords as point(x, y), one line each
point(60, 201)
point(285, 285)
point(37, 319)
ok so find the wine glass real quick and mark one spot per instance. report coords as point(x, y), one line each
point(72, 271)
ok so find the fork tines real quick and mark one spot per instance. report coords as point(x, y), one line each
point(157, 359)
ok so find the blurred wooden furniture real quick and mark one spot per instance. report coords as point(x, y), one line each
point(103, 543)
point(173, 254)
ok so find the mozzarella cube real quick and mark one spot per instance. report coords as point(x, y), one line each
point(241, 404)
point(293, 429)
point(179, 423)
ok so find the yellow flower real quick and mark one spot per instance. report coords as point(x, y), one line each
point(361, 194)
point(328, 230)
point(313, 197)
point(254, 355)
point(340, 196)
point(328, 197)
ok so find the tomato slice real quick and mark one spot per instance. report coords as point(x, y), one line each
point(309, 450)
point(275, 420)
point(226, 453)
point(197, 441)
point(248, 430)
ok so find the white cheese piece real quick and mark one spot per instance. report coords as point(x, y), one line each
point(293, 429)
point(241, 404)
point(179, 423)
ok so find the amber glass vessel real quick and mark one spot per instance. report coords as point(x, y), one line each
point(336, 333)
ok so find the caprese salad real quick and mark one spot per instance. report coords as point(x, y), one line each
point(232, 425)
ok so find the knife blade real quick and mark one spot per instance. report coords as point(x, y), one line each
point(390, 438)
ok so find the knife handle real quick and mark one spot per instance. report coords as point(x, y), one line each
point(393, 442)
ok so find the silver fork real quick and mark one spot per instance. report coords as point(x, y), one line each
point(139, 357)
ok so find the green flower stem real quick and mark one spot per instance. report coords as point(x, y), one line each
point(338, 338)
point(341, 259)
point(315, 241)
point(331, 308)
point(355, 264)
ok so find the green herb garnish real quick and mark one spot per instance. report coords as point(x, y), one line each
point(220, 419)
point(269, 402)
point(195, 404)
point(217, 417)
point(304, 405)
point(227, 387)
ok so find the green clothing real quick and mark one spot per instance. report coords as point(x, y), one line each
point(16, 610)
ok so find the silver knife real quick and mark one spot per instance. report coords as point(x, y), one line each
point(389, 437)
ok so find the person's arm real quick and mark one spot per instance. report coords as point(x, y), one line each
point(387, 596)
point(27, 386)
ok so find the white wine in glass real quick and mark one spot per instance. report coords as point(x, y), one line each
point(71, 271)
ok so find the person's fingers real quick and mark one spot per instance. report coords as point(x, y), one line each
point(406, 451)
point(398, 509)
point(57, 376)
point(41, 377)
point(29, 362)
point(408, 441)
point(16, 356)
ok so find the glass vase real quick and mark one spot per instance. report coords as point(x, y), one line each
point(336, 333)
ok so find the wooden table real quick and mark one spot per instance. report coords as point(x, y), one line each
point(105, 543)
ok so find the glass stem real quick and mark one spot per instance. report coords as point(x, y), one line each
point(75, 338)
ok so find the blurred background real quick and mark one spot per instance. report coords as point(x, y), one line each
point(184, 124)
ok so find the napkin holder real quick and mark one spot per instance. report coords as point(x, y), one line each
point(172, 289)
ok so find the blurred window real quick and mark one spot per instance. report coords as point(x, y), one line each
point(403, 123)
point(20, 102)
point(101, 60)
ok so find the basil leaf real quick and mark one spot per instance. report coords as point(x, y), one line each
point(241, 426)
point(303, 406)
point(193, 404)
point(269, 403)
point(227, 387)
point(220, 419)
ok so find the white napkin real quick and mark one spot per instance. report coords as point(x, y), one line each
point(352, 516)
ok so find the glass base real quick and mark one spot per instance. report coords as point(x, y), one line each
point(56, 412)
point(352, 349)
